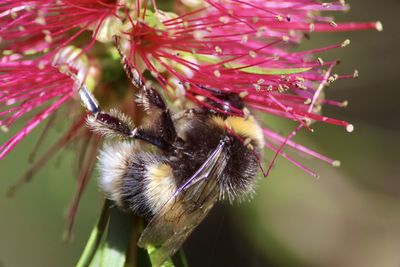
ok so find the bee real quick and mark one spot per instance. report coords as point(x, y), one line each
point(173, 170)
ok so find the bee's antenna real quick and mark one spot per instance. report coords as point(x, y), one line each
point(109, 124)
point(131, 72)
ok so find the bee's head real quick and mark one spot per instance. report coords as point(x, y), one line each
point(231, 102)
point(228, 102)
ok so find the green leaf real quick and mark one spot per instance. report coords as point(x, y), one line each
point(265, 71)
point(112, 249)
point(109, 250)
point(95, 238)
point(152, 252)
point(152, 20)
point(181, 260)
point(116, 245)
point(243, 68)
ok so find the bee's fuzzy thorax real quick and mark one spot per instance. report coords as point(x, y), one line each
point(244, 127)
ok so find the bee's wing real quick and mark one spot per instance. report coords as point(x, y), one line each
point(186, 208)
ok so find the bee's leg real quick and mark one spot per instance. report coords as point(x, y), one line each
point(114, 123)
point(109, 124)
point(150, 99)
point(153, 102)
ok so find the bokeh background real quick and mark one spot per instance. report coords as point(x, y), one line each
point(348, 217)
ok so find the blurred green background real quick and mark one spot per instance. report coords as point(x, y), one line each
point(348, 217)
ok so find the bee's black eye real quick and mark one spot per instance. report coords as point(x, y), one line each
point(231, 102)
point(234, 100)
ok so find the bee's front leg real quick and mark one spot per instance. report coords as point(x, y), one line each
point(115, 124)
point(152, 102)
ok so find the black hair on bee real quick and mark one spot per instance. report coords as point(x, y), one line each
point(173, 170)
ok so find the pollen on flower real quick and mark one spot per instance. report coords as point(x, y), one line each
point(4, 129)
point(345, 43)
point(350, 128)
point(336, 163)
point(333, 24)
point(252, 54)
point(344, 104)
point(243, 94)
point(379, 26)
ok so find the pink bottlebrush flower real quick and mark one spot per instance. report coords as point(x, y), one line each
point(233, 46)
point(24, 87)
point(244, 47)
point(237, 46)
point(49, 47)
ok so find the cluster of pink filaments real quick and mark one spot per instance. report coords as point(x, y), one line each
point(21, 93)
point(244, 47)
point(31, 35)
point(48, 25)
point(230, 45)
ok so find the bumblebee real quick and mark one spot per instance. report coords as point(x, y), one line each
point(173, 170)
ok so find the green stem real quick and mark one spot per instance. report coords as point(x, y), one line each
point(95, 237)
point(182, 258)
point(155, 261)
